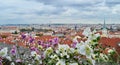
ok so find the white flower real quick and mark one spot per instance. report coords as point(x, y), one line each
point(63, 47)
point(111, 51)
point(78, 45)
point(29, 64)
point(48, 51)
point(88, 51)
point(40, 61)
point(36, 56)
point(57, 51)
point(91, 61)
point(55, 57)
point(68, 56)
point(104, 57)
point(52, 56)
point(84, 49)
point(87, 32)
point(3, 52)
point(81, 48)
point(63, 50)
point(9, 58)
point(33, 53)
point(40, 47)
point(93, 56)
point(12, 63)
point(61, 54)
point(61, 62)
point(72, 50)
point(87, 42)
point(73, 64)
point(93, 36)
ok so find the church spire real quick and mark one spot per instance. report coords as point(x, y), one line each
point(104, 26)
point(104, 30)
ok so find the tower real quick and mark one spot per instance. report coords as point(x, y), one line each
point(104, 25)
point(75, 27)
point(50, 23)
point(104, 30)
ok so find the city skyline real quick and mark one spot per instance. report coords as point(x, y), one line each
point(59, 11)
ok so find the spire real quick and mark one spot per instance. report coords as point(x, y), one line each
point(104, 30)
point(50, 23)
point(104, 26)
point(75, 27)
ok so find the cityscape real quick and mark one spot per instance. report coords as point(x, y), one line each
point(60, 32)
point(109, 34)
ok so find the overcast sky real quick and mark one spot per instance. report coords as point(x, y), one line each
point(59, 11)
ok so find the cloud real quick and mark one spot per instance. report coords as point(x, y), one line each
point(112, 3)
point(37, 11)
point(116, 9)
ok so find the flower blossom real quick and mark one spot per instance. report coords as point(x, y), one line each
point(48, 51)
point(23, 36)
point(31, 40)
point(61, 62)
point(13, 50)
point(3, 52)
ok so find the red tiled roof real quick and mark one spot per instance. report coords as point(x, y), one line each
point(45, 38)
point(110, 41)
point(65, 41)
point(80, 34)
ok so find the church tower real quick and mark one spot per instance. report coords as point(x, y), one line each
point(104, 30)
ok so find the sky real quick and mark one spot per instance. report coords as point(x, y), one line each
point(59, 11)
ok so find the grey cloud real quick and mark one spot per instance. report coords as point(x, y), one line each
point(112, 3)
point(56, 11)
point(63, 3)
point(71, 9)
